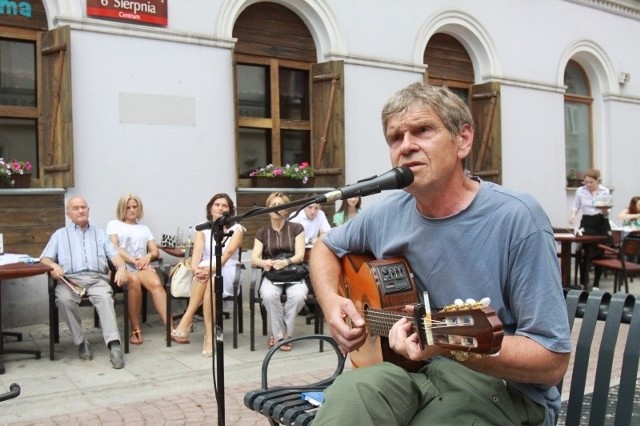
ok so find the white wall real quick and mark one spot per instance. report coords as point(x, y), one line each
point(175, 168)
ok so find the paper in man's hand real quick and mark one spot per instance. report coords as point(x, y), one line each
point(78, 289)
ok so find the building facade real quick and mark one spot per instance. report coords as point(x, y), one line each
point(180, 103)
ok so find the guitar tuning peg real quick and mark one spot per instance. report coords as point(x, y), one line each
point(458, 302)
point(485, 302)
point(470, 301)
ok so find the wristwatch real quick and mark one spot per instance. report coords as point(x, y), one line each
point(289, 261)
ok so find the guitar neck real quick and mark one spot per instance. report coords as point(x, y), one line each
point(380, 321)
point(470, 328)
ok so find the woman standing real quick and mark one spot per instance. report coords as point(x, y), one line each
point(348, 209)
point(203, 265)
point(278, 238)
point(135, 243)
point(595, 219)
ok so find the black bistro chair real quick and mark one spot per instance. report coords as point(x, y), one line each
point(237, 302)
point(256, 301)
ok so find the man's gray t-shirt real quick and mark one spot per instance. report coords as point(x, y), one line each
point(501, 246)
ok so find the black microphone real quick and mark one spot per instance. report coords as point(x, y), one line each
point(209, 225)
point(396, 178)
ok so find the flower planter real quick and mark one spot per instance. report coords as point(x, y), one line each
point(5, 183)
point(22, 181)
point(280, 182)
point(574, 183)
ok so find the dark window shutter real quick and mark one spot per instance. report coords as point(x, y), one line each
point(327, 134)
point(485, 160)
point(56, 121)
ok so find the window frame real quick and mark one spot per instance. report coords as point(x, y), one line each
point(53, 112)
point(25, 112)
point(572, 99)
point(275, 123)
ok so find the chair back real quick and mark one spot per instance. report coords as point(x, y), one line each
point(630, 249)
point(616, 237)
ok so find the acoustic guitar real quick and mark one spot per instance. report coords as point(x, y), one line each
point(381, 288)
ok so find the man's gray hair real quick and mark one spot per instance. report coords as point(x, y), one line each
point(452, 110)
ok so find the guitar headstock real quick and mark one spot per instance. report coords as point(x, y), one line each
point(469, 327)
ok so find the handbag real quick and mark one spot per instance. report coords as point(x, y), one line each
point(168, 241)
point(181, 278)
point(292, 273)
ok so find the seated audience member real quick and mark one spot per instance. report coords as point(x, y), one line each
point(277, 238)
point(135, 243)
point(314, 221)
point(630, 215)
point(348, 209)
point(201, 261)
point(79, 252)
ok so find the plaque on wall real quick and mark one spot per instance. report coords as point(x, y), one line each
point(24, 14)
point(152, 12)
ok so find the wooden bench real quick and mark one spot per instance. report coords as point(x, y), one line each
point(602, 316)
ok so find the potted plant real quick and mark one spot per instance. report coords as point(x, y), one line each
point(574, 179)
point(15, 174)
point(288, 176)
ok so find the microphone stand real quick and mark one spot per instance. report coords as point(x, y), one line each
point(218, 233)
point(217, 328)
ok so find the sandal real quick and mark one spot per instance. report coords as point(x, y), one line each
point(207, 353)
point(271, 342)
point(287, 347)
point(180, 336)
point(136, 337)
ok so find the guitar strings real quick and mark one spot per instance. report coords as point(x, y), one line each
point(393, 317)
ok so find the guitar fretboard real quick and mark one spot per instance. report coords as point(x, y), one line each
point(379, 322)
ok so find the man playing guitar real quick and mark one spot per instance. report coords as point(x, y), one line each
point(463, 239)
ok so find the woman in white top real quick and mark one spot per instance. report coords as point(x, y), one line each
point(135, 243)
point(594, 221)
point(201, 261)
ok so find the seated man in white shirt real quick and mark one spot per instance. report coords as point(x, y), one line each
point(314, 221)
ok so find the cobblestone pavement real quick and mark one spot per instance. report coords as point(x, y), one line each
point(159, 385)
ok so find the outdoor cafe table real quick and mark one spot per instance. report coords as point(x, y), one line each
point(175, 252)
point(566, 240)
point(12, 271)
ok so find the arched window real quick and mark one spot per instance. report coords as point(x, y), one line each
point(273, 59)
point(577, 119)
point(450, 65)
point(289, 108)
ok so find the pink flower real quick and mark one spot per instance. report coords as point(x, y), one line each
point(19, 167)
point(277, 172)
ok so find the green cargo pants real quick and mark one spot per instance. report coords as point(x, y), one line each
point(444, 392)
